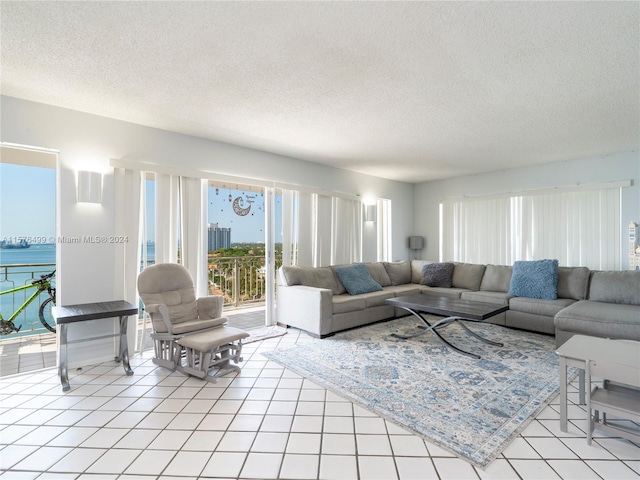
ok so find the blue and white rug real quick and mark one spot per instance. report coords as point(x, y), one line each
point(473, 408)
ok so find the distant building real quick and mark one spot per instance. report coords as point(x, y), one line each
point(634, 246)
point(218, 237)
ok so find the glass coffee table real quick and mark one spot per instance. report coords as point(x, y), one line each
point(453, 309)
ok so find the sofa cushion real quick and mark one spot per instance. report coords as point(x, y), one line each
point(467, 275)
point(496, 278)
point(406, 289)
point(501, 298)
point(535, 279)
point(318, 277)
point(537, 306)
point(348, 303)
point(379, 273)
point(357, 279)
point(615, 287)
point(449, 292)
point(437, 274)
point(376, 299)
point(399, 272)
point(573, 282)
point(600, 319)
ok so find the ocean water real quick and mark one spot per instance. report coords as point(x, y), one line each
point(17, 269)
point(14, 272)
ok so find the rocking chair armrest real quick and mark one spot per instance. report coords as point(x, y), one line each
point(164, 313)
point(161, 309)
point(152, 308)
point(210, 306)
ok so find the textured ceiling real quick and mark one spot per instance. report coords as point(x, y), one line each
point(410, 91)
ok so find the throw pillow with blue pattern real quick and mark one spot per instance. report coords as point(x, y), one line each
point(535, 279)
point(357, 279)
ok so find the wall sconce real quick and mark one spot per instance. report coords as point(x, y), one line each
point(415, 244)
point(369, 213)
point(89, 187)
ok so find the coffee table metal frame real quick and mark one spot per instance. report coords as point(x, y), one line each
point(453, 309)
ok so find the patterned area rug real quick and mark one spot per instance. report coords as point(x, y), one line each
point(473, 408)
point(262, 333)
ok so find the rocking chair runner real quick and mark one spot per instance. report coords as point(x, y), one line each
point(184, 324)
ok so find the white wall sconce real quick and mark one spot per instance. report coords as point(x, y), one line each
point(89, 187)
point(369, 213)
point(415, 244)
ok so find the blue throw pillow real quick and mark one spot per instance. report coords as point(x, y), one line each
point(357, 279)
point(535, 279)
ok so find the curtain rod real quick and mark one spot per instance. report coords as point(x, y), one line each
point(223, 178)
point(542, 191)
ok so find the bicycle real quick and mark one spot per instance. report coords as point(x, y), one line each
point(44, 312)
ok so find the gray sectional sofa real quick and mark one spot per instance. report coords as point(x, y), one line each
point(597, 303)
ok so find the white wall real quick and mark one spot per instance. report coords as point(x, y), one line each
point(88, 142)
point(624, 166)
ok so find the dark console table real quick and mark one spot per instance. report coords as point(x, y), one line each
point(64, 316)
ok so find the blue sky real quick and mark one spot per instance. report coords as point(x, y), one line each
point(27, 201)
point(27, 207)
point(244, 228)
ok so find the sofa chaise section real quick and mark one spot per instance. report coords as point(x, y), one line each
point(612, 309)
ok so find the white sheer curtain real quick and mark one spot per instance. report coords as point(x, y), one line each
point(346, 232)
point(193, 233)
point(181, 221)
point(167, 218)
point(579, 227)
point(477, 231)
point(128, 190)
point(321, 224)
point(383, 230)
point(297, 228)
point(320, 230)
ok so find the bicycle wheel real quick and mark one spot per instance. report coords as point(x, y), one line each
point(46, 317)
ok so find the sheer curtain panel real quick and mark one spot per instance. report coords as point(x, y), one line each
point(193, 234)
point(346, 235)
point(128, 191)
point(579, 227)
point(167, 218)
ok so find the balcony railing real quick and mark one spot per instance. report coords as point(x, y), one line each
point(240, 280)
point(12, 276)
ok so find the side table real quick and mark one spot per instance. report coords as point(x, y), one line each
point(576, 351)
point(92, 311)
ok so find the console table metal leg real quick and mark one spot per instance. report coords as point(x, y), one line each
point(62, 358)
point(124, 349)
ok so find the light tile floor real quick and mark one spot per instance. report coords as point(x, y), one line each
point(34, 352)
point(264, 423)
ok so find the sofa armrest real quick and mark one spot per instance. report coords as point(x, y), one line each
point(307, 308)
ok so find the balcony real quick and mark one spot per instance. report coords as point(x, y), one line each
point(239, 279)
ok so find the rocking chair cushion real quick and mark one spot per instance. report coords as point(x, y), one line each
point(205, 341)
point(197, 325)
